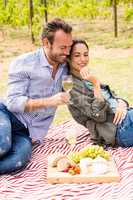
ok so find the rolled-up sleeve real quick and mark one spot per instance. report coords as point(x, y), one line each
point(18, 83)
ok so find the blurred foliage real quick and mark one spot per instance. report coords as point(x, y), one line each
point(16, 13)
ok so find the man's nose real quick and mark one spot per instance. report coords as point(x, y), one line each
point(66, 51)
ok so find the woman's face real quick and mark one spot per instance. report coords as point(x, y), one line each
point(79, 57)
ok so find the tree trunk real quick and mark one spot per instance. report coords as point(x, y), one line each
point(115, 18)
point(31, 19)
point(5, 3)
point(45, 12)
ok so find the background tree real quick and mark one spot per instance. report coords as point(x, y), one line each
point(44, 2)
point(5, 3)
point(115, 18)
point(20, 14)
point(31, 19)
point(46, 13)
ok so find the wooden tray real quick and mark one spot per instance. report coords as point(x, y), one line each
point(53, 176)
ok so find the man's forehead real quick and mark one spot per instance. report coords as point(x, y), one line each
point(62, 37)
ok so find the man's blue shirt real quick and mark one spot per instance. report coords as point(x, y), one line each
point(30, 77)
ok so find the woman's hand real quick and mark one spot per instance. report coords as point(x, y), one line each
point(121, 112)
point(85, 74)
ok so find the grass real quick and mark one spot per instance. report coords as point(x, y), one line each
point(117, 72)
point(62, 115)
point(101, 32)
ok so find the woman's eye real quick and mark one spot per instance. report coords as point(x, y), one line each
point(86, 55)
point(77, 55)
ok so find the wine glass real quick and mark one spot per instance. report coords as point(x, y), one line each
point(71, 138)
point(67, 83)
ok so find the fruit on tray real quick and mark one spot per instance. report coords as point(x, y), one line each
point(74, 156)
point(74, 169)
point(54, 158)
point(92, 159)
point(63, 164)
point(89, 151)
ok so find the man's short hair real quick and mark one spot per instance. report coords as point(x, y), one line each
point(53, 26)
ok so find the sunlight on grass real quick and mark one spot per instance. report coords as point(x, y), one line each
point(117, 72)
point(62, 115)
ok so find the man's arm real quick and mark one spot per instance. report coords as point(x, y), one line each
point(18, 98)
point(53, 101)
point(18, 83)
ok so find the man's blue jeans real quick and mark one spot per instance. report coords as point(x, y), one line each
point(15, 143)
point(124, 135)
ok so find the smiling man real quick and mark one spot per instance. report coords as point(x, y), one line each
point(34, 92)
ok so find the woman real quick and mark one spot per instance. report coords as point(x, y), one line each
point(95, 106)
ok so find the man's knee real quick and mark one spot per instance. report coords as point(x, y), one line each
point(23, 155)
point(23, 147)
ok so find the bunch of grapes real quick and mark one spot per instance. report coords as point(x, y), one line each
point(74, 156)
point(89, 151)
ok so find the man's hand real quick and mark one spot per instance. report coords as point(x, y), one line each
point(53, 101)
point(60, 99)
point(121, 112)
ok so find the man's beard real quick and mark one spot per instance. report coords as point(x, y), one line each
point(59, 59)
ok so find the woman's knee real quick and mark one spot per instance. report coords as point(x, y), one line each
point(5, 133)
point(130, 115)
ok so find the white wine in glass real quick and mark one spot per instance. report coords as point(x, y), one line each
point(71, 136)
point(67, 83)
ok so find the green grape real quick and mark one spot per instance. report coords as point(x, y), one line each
point(101, 148)
point(83, 153)
point(74, 156)
point(105, 155)
point(89, 151)
point(92, 149)
point(100, 151)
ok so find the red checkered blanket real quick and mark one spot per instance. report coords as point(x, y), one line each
point(31, 183)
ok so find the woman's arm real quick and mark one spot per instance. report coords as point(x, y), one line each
point(85, 74)
point(122, 105)
point(121, 111)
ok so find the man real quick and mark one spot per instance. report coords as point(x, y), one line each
point(34, 92)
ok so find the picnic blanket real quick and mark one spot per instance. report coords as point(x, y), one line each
point(31, 183)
